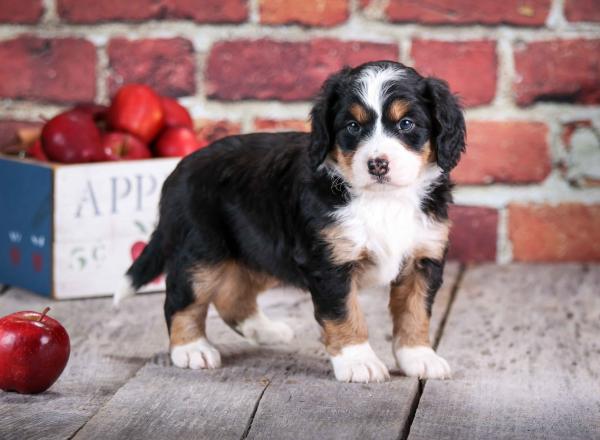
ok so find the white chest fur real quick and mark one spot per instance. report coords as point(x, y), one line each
point(388, 227)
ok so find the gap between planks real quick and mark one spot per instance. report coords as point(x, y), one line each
point(436, 339)
point(251, 418)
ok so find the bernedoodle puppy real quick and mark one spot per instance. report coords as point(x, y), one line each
point(360, 201)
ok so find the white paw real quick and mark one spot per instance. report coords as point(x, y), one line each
point(359, 363)
point(260, 330)
point(196, 355)
point(422, 362)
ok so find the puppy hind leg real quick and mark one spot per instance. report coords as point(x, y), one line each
point(185, 311)
point(236, 303)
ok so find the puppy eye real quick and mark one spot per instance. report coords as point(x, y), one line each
point(353, 128)
point(406, 124)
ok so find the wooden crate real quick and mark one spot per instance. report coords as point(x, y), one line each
point(71, 231)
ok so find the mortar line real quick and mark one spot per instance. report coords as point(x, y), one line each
point(436, 339)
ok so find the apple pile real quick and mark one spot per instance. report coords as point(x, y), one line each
point(34, 350)
point(138, 124)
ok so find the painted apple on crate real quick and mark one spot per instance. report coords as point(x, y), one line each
point(34, 350)
point(15, 255)
point(37, 260)
point(136, 249)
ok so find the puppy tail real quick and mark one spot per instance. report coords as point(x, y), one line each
point(149, 265)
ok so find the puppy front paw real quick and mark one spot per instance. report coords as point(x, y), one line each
point(196, 355)
point(359, 363)
point(422, 362)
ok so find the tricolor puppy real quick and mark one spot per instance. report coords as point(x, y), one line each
point(361, 201)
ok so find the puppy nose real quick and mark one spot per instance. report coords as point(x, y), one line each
point(378, 166)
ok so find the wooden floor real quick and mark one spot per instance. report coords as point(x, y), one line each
point(523, 342)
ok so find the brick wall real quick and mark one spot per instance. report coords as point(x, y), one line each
point(528, 72)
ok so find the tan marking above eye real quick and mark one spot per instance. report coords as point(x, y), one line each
point(359, 113)
point(397, 109)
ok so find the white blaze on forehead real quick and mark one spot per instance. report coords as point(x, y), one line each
point(374, 84)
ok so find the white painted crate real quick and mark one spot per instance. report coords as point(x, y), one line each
point(88, 224)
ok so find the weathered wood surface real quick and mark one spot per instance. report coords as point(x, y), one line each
point(106, 389)
point(302, 402)
point(164, 402)
point(107, 348)
point(524, 341)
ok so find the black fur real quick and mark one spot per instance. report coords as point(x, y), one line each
point(323, 114)
point(433, 272)
point(254, 199)
point(449, 130)
point(262, 200)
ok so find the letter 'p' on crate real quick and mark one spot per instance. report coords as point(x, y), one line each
point(71, 231)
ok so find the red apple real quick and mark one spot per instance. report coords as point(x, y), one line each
point(178, 142)
point(34, 350)
point(123, 146)
point(71, 137)
point(176, 115)
point(136, 109)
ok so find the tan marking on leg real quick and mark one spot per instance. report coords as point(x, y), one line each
point(235, 297)
point(189, 324)
point(408, 299)
point(397, 109)
point(351, 330)
point(359, 112)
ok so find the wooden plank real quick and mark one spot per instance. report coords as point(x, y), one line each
point(107, 348)
point(523, 340)
point(164, 402)
point(307, 402)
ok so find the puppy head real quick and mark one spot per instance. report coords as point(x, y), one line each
point(382, 124)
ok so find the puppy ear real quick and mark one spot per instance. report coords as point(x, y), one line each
point(322, 115)
point(449, 130)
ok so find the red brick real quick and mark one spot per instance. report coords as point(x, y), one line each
point(469, 67)
point(559, 70)
point(213, 130)
point(515, 12)
point(307, 12)
point(8, 132)
point(565, 232)
point(582, 10)
point(201, 11)
point(167, 65)
point(266, 69)
point(21, 11)
point(509, 152)
point(57, 70)
point(473, 235)
point(281, 125)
